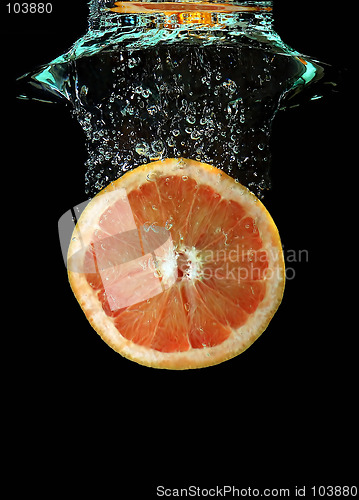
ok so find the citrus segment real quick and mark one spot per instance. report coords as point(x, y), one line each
point(176, 265)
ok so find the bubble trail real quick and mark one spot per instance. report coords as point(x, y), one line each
point(196, 84)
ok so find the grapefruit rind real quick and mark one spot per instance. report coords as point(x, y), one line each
point(241, 338)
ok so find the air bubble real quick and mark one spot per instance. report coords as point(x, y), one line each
point(157, 150)
point(142, 148)
point(84, 90)
point(132, 63)
point(171, 142)
point(195, 134)
point(146, 93)
point(152, 109)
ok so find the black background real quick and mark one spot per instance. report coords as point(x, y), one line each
point(281, 414)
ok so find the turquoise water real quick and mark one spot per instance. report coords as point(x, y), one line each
point(147, 87)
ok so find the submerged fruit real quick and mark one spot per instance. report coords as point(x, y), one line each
point(176, 265)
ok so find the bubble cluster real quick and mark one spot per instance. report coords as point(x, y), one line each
point(145, 87)
point(212, 103)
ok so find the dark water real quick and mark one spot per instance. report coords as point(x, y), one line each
point(199, 102)
point(143, 93)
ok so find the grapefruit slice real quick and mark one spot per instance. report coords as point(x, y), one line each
point(176, 265)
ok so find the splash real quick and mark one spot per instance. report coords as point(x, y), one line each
point(150, 81)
